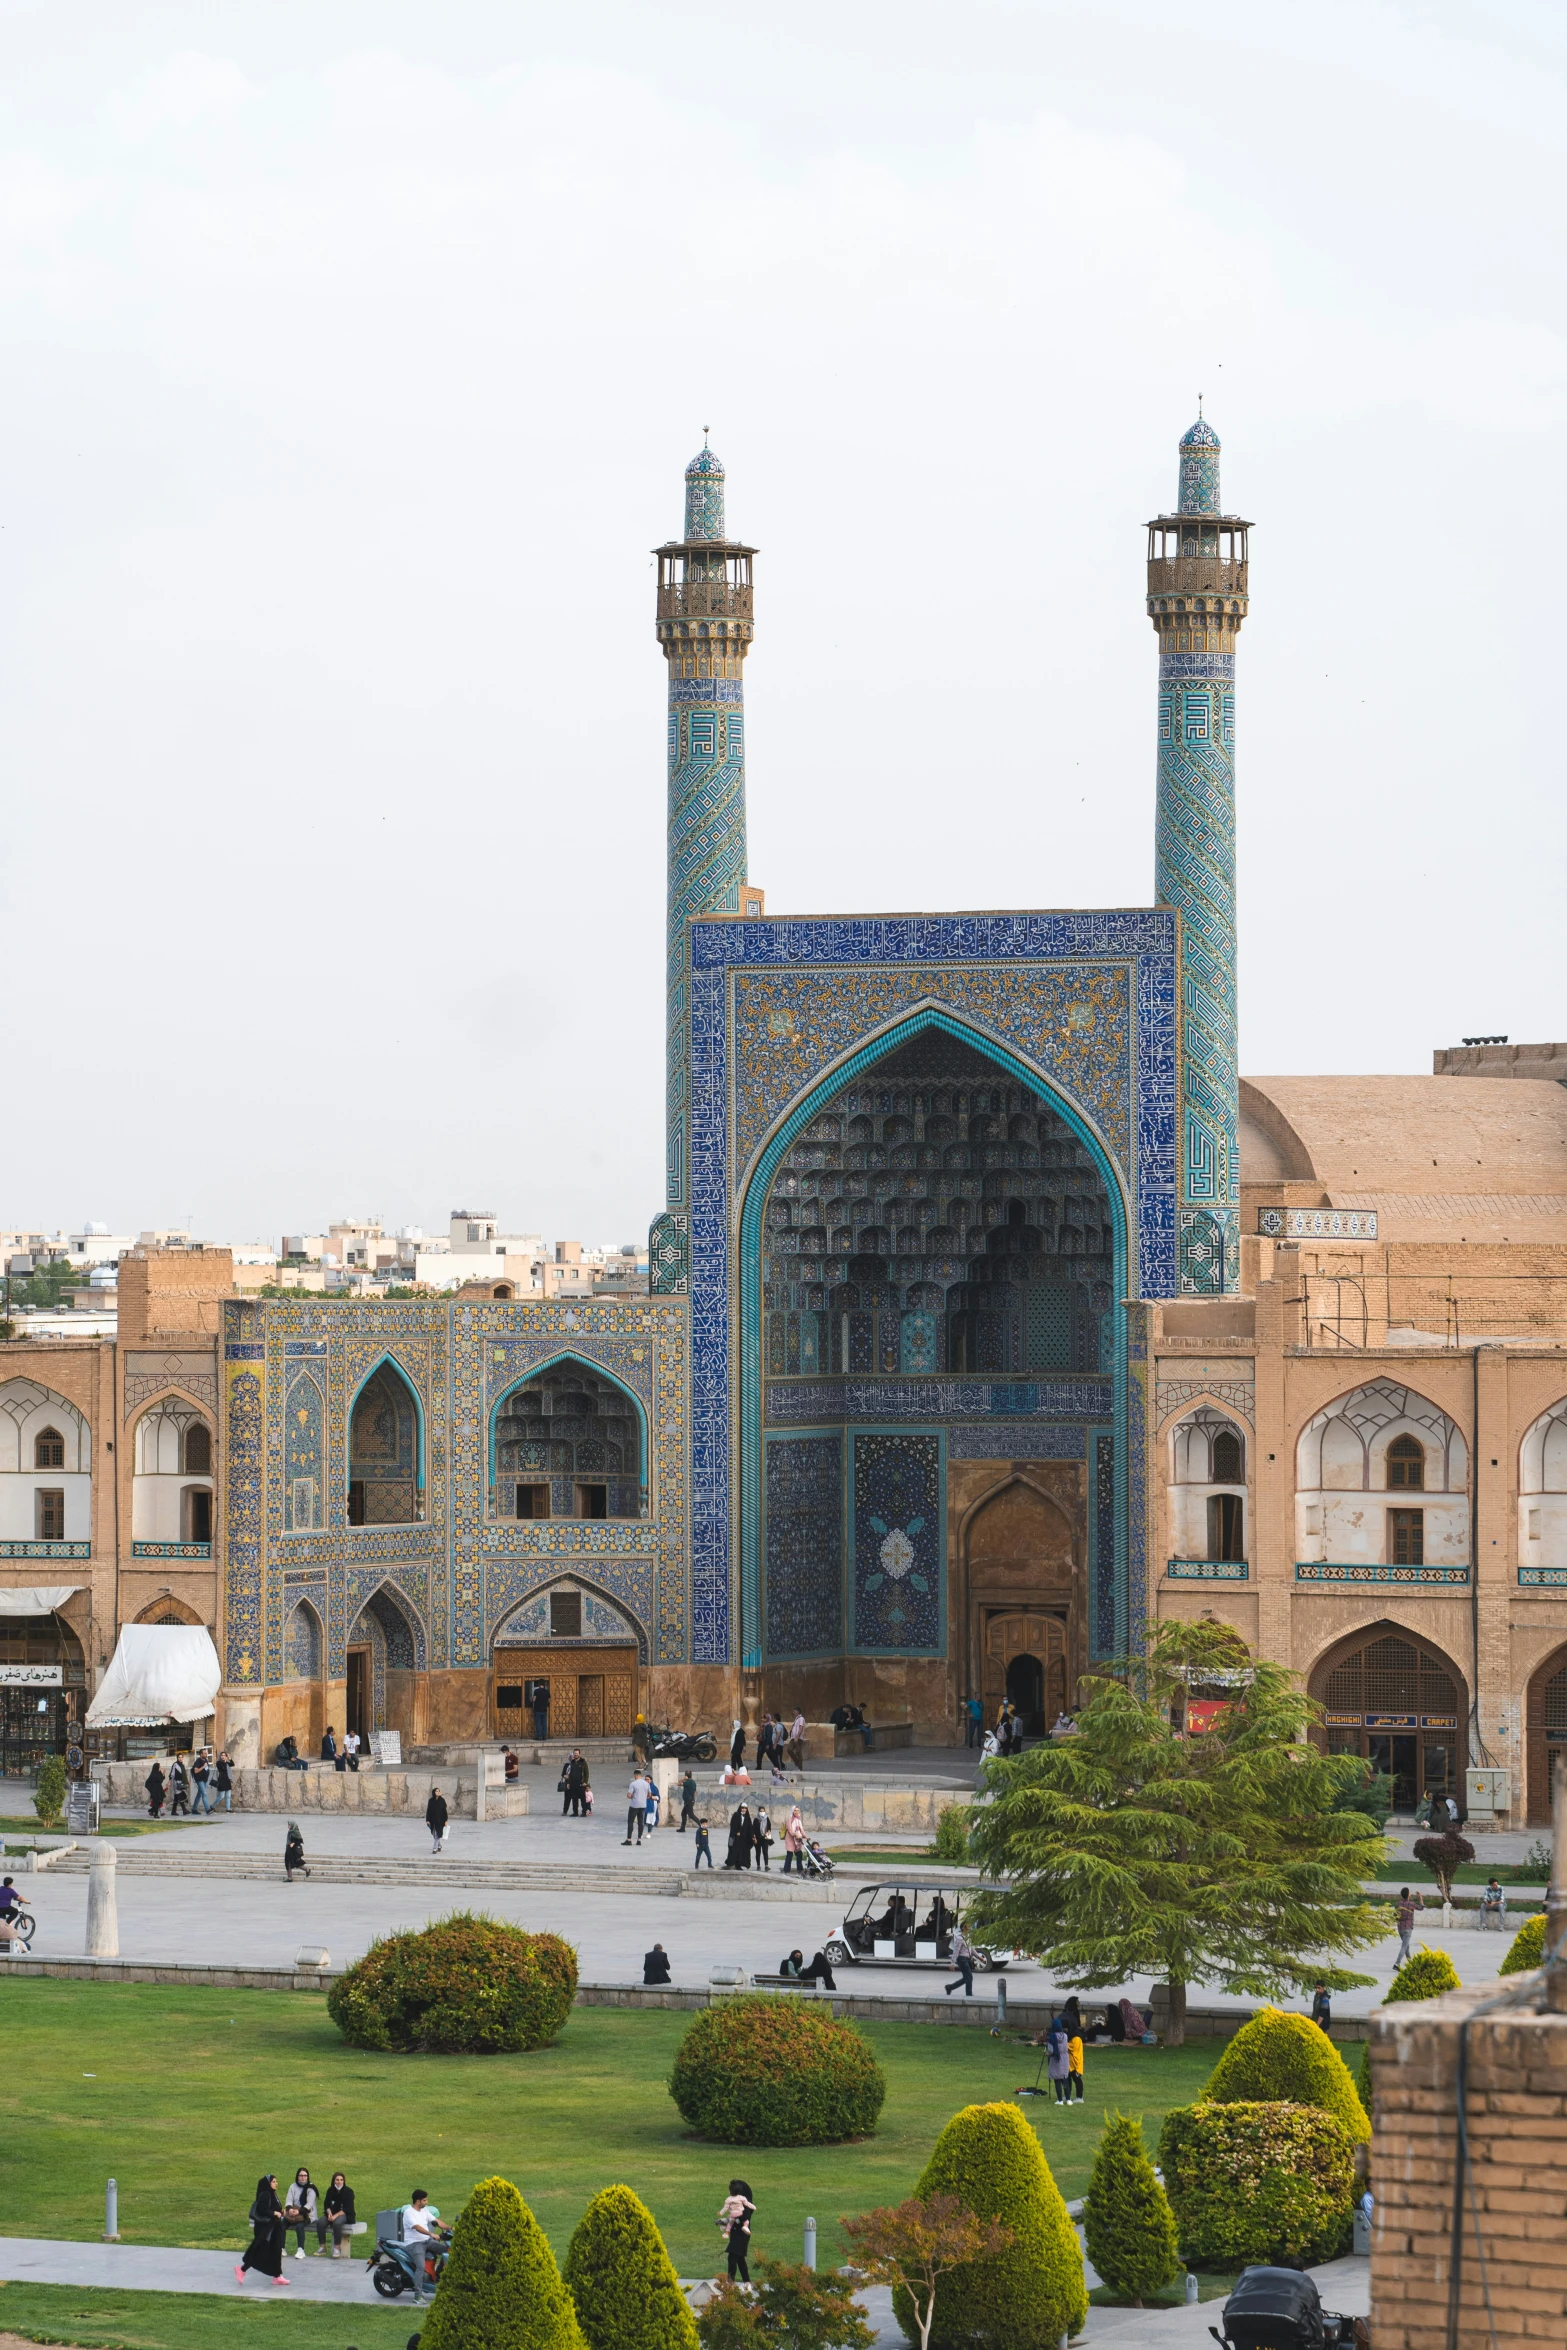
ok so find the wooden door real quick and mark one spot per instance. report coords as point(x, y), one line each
point(359, 1692)
point(590, 1705)
point(1025, 1634)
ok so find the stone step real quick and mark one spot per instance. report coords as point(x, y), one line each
point(425, 1871)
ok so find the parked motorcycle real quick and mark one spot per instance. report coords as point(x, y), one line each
point(685, 1745)
point(408, 2268)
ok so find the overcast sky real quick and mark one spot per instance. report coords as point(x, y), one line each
point(351, 359)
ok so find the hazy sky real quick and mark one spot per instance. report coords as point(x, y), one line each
point(351, 359)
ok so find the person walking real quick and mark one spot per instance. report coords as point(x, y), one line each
point(264, 2252)
point(201, 1776)
point(794, 1841)
point(1409, 1907)
point(179, 1789)
point(764, 1741)
point(577, 1796)
point(338, 2214)
point(293, 1851)
point(1058, 2061)
point(225, 1780)
point(762, 1837)
point(435, 1816)
point(735, 2215)
point(655, 1966)
point(641, 1742)
point(973, 1720)
point(636, 1805)
point(704, 1846)
point(739, 1854)
point(1074, 2066)
point(301, 2211)
point(687, 1799)
point(737, 1746)
point(1322, 2008)
point(961, 1953)
point(155, 1791)
point(795, 1751)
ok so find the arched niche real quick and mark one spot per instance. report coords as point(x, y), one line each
point(568, 1441)
point(386, 1660)
point(1207, 1473)
point(1020, 1559)
point(566, 1664)
point(1545, 1732)
point(1400, 1702)
point(304, 1643)
point(172, 1482)
point(1382, 1479)
point(385, 1450)
point(1542, 1490)
point(166, 1609)
point(45, 1466)
point(29, 1735)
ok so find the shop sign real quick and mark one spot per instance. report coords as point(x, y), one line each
point(31, 1676)
point(1202, 1713)
point(1392, 1721)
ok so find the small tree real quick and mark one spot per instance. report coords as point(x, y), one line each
point(790, 2309)
point(622, 2280)
point(1444, 1856)
point(49, 1794)
point(500, 2288)
point(914, 2244)
point(950, 1844)
point(1127, 2219)
point(1137, 1849)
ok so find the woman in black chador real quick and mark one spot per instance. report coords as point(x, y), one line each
point(264, 2252)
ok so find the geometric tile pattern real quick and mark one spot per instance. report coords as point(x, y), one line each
point(1314, 1571)
point(804, 1575)
point(899, 1510)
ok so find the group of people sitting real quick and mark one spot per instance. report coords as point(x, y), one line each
point(793, 1969)
point(343, 1754)
point(896, 1924)
point(305, 2209)
point(189, 1787)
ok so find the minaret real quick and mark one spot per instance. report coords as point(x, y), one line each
point(1197, 569)
point(704, 627)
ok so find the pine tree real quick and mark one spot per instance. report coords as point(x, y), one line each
point(622, 2280)
point(1127, 2218)
point(500, 2289)
point(1134, 1848)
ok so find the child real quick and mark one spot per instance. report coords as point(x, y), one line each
point(1074, 2069)
point(704, 1849)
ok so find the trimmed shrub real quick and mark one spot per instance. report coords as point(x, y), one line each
point(1528, 1950)
point(622, 2281)
point(468, 1984)
point(1127, 2217)
point(950, 1844)
point(758, 2071)
point(49, 1792)
point(1363, 2074)
point(1424, 1976)
point(1028, 2296)
point(500, 2288)
point(1287, 2059)
point(1264, 2182)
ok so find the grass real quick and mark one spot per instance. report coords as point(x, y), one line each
point(35, 1827)
point(193, 2093)
point(101, 2319)
point(1477, 1872)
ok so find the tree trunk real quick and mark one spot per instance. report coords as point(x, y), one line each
point(1175, 2030)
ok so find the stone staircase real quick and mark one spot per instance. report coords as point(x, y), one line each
point(152, 1857)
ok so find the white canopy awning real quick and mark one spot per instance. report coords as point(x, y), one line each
point(158, 1673)
point(35, 1599)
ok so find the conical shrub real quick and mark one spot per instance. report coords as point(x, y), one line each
point(1528, 1950)
point(1278, 2058)
point(1127, 2217)
point(1028, 2296)
point(1424, 1976)
point(501, 2289)
point(622, 2281)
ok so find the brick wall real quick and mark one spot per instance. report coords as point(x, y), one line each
point(1515, 2222)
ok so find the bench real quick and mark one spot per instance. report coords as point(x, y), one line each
point(790, 1983)
point(883, 1737)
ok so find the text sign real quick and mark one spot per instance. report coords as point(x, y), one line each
point(31, 1676)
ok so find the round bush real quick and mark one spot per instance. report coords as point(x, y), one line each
point(622, 2280)
point(1288, 2059)
point(500, 2289)
point(468, 1985)
point(1528, 1950)
point(1265, 2182)
point(1424, 1976)
point(1028, 2296)
point(776, 2072)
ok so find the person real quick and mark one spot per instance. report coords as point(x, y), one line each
point(1409, 1907)
point(762, 1837)
point(687, 1799)
point(735, 2215)
point(636, 1804)
point(419, 2222)
point(1133, 2021)
point(1424, 1807)
point(264, 2252)
point(541, 1710)
point(1058, 2061)
point(574, 1782)
point(1065, 1727)
point(351, 1745)
point(764, 1741)
point(1493, 1905)
point(179, 1789)
point(301, 2212)
point(654, 1804)
point(155, 1791)
point(794, 1838)
point(841, 1716)
point(1074, 2066)
point(1115, 2023)
point(655, 1965)
point(225, 1780)
point(962, 1957)
point(863, 1726)
point(739, 1854)
point(293, 1851)
point(329, 1745)
point(288, 1756)
point(1071, 2017)
point(513, 1765)
point(973, 1720)
point(1321, 2007)
point(737, 1746)
point(704, 1846)
point(990, 1746)
point(795, 1751)
point(201, 1774)
point(795, 1969)
point(435, 1819)
point(641, 1741)
point(1449, 1811)
point(337, 2213)
point(734, 1775)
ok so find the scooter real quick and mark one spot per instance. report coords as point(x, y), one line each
point(415, 2268)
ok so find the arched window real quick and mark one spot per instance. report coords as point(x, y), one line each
point(1401, 1705)
point(1228, 1459)
point(198, 1449)
point(568, 1443)
point(1406, 1465)
point(1382, 1438)
point(1207, 1451)
point(1542, 1489)
point(49, 1449)
point(385, 1463)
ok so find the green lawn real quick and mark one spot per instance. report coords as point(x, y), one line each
point(194, 2092)
point(103, 2320)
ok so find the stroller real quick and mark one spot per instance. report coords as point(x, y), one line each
point(1280, 2309)
point(813, 1861)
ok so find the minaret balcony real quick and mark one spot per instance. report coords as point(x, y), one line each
point(705, 600)
point(1196, 575)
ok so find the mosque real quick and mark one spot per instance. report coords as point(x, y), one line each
point(991, 1313)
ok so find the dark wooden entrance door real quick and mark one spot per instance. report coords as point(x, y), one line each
point(359, 1692)
point(1025, 1657)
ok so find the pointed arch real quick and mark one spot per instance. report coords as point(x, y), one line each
point(386, 1446)
point(597, 1370)
point(388, 1606)
point(304, 1641)
point(1545, 1732)
point(26, 1409)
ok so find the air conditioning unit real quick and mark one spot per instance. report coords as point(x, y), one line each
point(1488, 1794)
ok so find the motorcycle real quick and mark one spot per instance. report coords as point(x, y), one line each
point(396, 2268)
point(685, 1745)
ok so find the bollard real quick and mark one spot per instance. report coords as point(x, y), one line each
point(810, 2243)
point(1001, 1999)
point(103, 1915)
point(111, 2212)
point(1191, 2286)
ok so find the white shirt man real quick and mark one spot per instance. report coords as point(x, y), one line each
point(637, 1793)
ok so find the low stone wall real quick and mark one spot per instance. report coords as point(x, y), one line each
point(320, 1788)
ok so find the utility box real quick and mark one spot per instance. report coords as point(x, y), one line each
point(1488, 1794)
